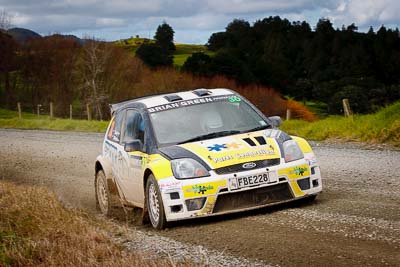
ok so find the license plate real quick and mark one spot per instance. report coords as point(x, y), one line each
point(252, 180)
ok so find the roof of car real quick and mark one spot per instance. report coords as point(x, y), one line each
point(161, 99)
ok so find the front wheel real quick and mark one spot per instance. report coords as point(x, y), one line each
point(154, 204)
point(103, 200)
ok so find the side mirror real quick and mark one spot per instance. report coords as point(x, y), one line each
point(276, 121)
point(135, 145)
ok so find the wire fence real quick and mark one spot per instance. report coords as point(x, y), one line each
point(49, 110)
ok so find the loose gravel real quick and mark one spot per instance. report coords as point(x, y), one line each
point(354, 222)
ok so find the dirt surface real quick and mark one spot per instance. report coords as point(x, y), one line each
point(354, 222)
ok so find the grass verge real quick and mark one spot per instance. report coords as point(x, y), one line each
point(381, 127)
point(35, 229)
point(9, 119)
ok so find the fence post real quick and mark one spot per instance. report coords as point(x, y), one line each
point(70, 112)
point(89, 115)
point(288, 114)
point(346, 108)
point(51, 110)
point(38, 109)
point(19, 110)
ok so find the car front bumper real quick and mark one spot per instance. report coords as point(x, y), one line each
point(217, 194)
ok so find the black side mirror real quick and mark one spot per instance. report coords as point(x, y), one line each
point(135, 145)
point(276, 121)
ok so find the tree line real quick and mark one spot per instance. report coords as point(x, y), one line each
point(62, 70)
point(324, 64)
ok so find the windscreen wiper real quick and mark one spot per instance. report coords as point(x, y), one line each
point(209, 136)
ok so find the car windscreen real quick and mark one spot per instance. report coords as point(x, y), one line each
point(186, 120)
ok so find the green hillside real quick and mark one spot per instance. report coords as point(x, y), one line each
point(183, 51)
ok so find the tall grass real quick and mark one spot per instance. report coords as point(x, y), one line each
point(36, 230)
point(381, 127)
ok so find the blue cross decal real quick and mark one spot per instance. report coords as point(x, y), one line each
point(216, 147)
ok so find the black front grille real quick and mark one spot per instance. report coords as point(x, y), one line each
point(304, 184)
point(253, 198)
point(239, 167)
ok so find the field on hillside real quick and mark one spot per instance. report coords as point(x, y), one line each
point(183, 51)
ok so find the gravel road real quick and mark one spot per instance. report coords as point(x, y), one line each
point(354, 222)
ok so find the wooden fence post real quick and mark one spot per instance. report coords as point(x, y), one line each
point(89, 115)
point(38, 109)
point(346, 108)
point(288, 114)
point(19, 110)
point(70, 112)
point(51, 110)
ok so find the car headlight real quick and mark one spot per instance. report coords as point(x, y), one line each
point(292, 151)
point(188, 168)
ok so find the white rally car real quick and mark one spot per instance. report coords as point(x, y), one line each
point(200, 153)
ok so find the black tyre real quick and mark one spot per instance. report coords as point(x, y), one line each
point(103, 198)
point(154, 204)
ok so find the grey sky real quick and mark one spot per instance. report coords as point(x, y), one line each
point(192, 20)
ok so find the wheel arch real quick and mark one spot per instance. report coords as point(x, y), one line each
point(146, 175)
point(104, 165)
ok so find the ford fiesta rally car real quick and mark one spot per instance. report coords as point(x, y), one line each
point(200, 153)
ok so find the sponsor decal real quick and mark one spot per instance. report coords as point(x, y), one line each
point(221, 159)
point(170, 185)
point(234, 99)
point(255, 153)
point(191, 102)
point(299, 170)
point(200, 189)
point(249, 154)
point(216, 147)
point(220, 147)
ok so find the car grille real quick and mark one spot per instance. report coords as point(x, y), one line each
point(253, 198)
point(239, 167)
point(304, 184)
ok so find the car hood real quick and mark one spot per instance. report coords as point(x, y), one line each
point(230, 150)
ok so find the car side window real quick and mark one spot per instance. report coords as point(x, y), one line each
point(134, 126)
point(114, 133)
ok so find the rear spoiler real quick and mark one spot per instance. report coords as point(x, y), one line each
point(113, 108)
point(117, 106)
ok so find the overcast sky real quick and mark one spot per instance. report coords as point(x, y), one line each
point(192, 20)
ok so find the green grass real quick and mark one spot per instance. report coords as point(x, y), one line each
point(9, 119)
point(381, 127)
point(183, 51)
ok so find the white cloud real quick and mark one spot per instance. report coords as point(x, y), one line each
point(114, 19)
point(109, 22)
point(364, 13)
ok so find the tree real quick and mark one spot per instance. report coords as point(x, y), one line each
point(47, 68)
point(160, 53)
point(217, 40)
point(8, 62)
point(96, 54)
point(5, 20)
point(198, 63)
point(165, 37)
point(154, 55)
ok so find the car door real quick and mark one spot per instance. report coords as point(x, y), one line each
point(130, 163)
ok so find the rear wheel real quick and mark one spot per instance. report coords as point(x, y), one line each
point(103, 200)
point(154, 204)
